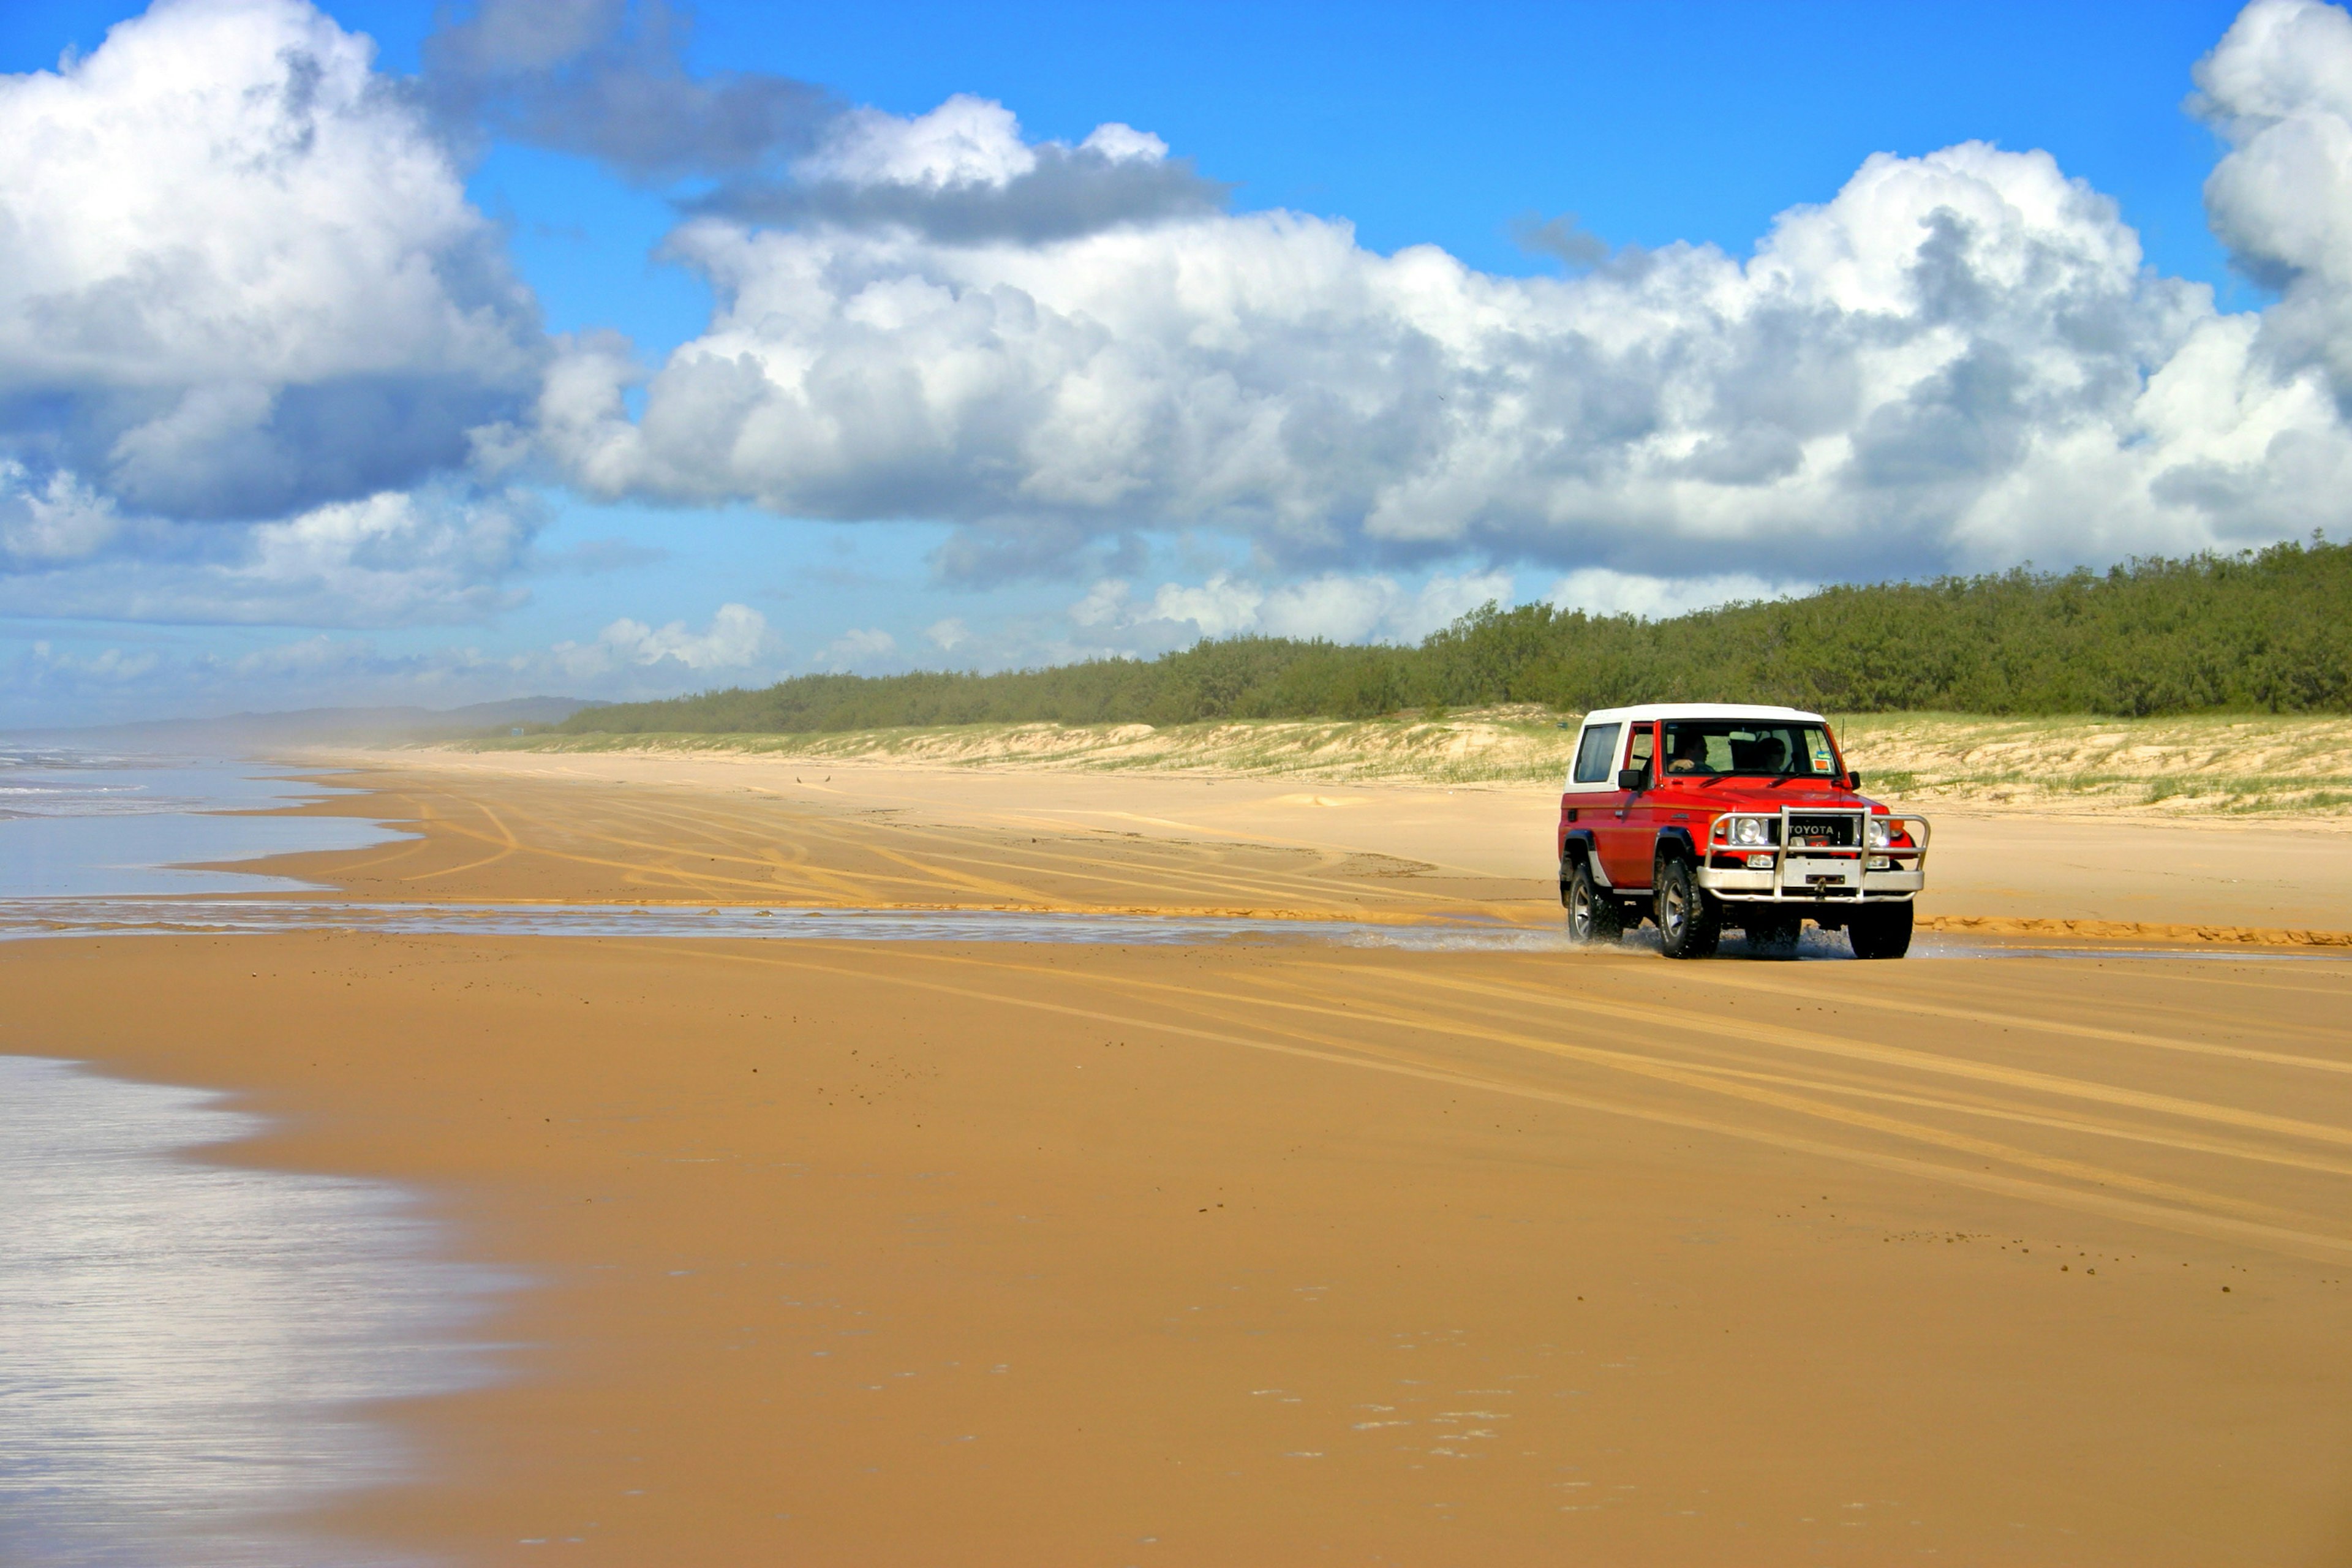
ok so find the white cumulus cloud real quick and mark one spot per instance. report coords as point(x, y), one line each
point(2278, 88)
point(238, 274)
point(1957, 360)
point(858, 648)
point(965, 141)
point(736, 638)
point(1598, 591)
point(52, 520)
point(1332, 605)
point(438, 553)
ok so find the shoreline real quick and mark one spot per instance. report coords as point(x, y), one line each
point(147, 1273)
point(184, 914)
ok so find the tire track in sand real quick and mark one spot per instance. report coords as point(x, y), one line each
point(2285, 1240)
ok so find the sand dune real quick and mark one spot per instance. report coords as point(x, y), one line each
point(1272, 1252)
point(2201, 767)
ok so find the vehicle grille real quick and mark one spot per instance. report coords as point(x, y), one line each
point(1842, 830)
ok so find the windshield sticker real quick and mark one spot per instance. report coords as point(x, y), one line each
point(1820, 752)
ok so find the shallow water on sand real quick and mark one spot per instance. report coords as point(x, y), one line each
point(80, 823)
point(187, 1351)
point(145, 917)
point(23, 918)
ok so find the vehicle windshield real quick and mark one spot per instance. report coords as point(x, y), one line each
point(1701, 748)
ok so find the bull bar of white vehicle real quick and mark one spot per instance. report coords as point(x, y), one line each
point(1847, 867)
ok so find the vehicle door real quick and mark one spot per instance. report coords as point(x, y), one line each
point(1624, 833)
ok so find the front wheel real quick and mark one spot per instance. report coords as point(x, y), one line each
point(1690, 922)
point(1884, 931)
point(1592, 915)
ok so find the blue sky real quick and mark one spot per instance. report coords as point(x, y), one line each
point(1582, 474)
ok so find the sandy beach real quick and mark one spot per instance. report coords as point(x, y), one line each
point(868, 1253)
point(737, 828)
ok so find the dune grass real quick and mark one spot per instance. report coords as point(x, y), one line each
point(2196, 765)
point(1498, 745)
point(2192, 765)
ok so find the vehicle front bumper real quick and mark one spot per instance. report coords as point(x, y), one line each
point(1819, 875)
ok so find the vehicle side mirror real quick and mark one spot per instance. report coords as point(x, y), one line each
point(1854, 781)
point(1632, 778)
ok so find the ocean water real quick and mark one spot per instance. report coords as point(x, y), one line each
point(82, 823)
point(133, 916)
point(189, 1352)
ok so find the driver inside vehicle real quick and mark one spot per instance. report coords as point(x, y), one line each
point(1688, 749)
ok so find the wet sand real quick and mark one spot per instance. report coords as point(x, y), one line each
point(1266, 1252)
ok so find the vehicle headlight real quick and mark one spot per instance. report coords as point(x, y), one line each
point(1882, 833)
point(1748, 830)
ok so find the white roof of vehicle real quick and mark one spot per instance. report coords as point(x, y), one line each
point(1642, 714)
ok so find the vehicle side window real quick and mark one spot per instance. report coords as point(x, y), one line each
point(1639, 753)
point(1593, 750)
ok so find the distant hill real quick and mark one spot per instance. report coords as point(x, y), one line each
point(245, 731)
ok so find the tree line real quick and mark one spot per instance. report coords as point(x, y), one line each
point(2267, 631)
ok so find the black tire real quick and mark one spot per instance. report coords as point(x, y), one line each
point(1771, 933)
point(1593, 917)
point(1690, 919)
point(1883, 932)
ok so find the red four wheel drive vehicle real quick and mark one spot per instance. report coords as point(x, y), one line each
point(1700, 817)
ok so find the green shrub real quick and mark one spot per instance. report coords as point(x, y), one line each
point(2266, 631)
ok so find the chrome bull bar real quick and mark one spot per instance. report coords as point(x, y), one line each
point(1781, 870)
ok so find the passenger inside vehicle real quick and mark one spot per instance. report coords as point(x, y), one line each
point(1709, 748)
point(1688, 752)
